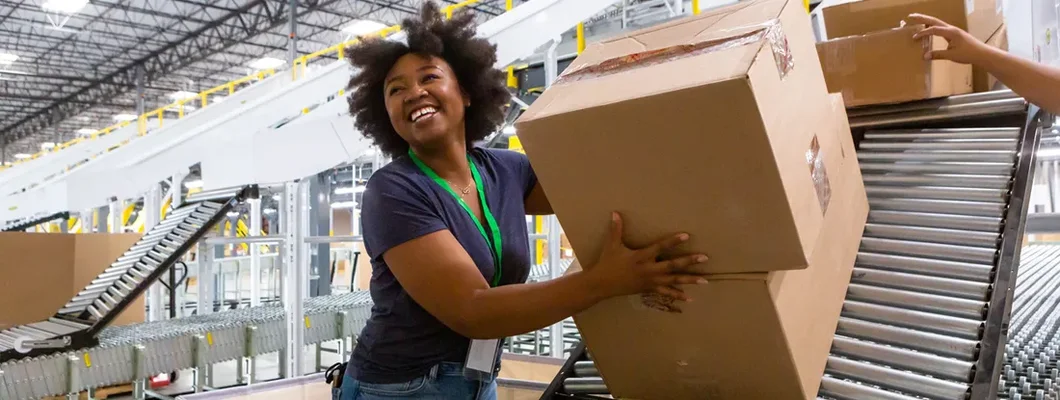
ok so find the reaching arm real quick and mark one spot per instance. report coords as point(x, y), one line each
point(439, 274)
point(1038, 83)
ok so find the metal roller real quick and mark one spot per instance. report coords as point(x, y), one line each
point(933, 235)
point(928, 322)
point(943, 134)
point(585, 385)
point(887, 377)
point(993, 144)
point(956, 288)
point(940, 207)
point(992, 182)
point(932, 104)
point(585, 369)
point(847, 390)
point(940, 156)
point(992, 108)
point(942, 367)
point(964, 308)
point(215, 194)
point(981, 168)
point(939, 193)
point(933, 250)
point(943, 345)
point(927, 266)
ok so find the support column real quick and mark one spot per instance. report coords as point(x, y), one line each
point(152, 211)
point(292, 29)
point(114, 216)
point(319, 224)
point(102, 218)
point(255, 252)
point(204, 293)
point(295, 278)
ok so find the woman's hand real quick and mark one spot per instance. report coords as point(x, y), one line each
point(962, 46)
point(623, 271)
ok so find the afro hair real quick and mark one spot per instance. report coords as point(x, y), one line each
point(452, 40)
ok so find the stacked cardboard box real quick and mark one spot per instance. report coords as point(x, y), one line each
point(40, 272)
point(719, 125)
point(871, 60)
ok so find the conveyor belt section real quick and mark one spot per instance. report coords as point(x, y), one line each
point(126, 354)
point(924, 312)
point(1030, 370)
point(577, 379)
point(21, 225)
point(76, 324)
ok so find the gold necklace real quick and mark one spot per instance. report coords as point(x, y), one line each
point(464, 191)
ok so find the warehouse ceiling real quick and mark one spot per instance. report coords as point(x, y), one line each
point(68, 67)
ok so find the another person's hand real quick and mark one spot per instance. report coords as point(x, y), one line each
point(962, 46)
point(624, 271)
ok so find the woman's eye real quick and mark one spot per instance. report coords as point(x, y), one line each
point(429, 78)
point(393, 90)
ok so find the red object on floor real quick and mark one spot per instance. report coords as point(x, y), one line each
point(160, 381)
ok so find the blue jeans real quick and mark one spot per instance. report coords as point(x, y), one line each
point(445, 381)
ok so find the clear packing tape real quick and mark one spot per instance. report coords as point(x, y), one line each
point(818, 173)
point(769, 31)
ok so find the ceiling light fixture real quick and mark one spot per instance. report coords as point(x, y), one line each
point(85, 131)
point(64, 6)
point(125, 117)
point(196, 184)
point(361, 27)
point(266, 63)
point(8, 59)
point(22, 156)
point(47, 146)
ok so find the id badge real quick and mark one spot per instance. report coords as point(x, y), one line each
point(481, 359)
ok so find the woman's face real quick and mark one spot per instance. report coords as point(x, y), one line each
point(425, 101)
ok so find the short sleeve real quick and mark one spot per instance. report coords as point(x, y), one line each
point(519, 165)
point(395, 210)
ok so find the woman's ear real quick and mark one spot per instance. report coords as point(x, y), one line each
point(465, 97)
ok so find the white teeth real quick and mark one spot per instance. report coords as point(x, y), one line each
point(422, 112)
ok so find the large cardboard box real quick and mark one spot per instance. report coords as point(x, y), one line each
point(740, 328)
point(40, 272)
point(706, 125)
point(979, 17)
point(889, 67)
point(981, 80)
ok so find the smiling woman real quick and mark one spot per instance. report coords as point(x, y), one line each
point(444, 223)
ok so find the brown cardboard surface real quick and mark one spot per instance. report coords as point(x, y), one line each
point(981, 80)
point(889, 67)
point(866, 16)
point(739, 328)
point(713, 143)
point(40, 272)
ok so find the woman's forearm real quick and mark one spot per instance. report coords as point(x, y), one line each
point(1038, 83)
point(516, 309)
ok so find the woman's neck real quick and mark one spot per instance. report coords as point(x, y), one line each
point(449, 162)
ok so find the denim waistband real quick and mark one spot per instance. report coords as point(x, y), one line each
point(449, 368)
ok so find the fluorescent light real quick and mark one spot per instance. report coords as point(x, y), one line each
point(85, 131)
point(182, 95)
point(47, 146)
point(233, 214)
point(125, 117)
point(22, 156)
point(1049, 152)
point(269, 211)
point(508, 130)
point(348, 190)
point(362, 27)
point(193, 184)
point(64, 6)
point(8, 58)
point(266, 63)
point(343, 204)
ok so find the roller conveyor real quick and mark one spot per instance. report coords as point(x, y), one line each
point(77, 323)
point(21, 225)
point(931, 291)
point(1031, 370)
point(127, 354)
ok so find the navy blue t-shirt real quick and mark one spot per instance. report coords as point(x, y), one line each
point(402, 341)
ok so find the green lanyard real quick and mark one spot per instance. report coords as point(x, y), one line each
point(493, 242)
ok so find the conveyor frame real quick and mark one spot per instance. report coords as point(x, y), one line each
point(999, 309)
point(26, 224)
